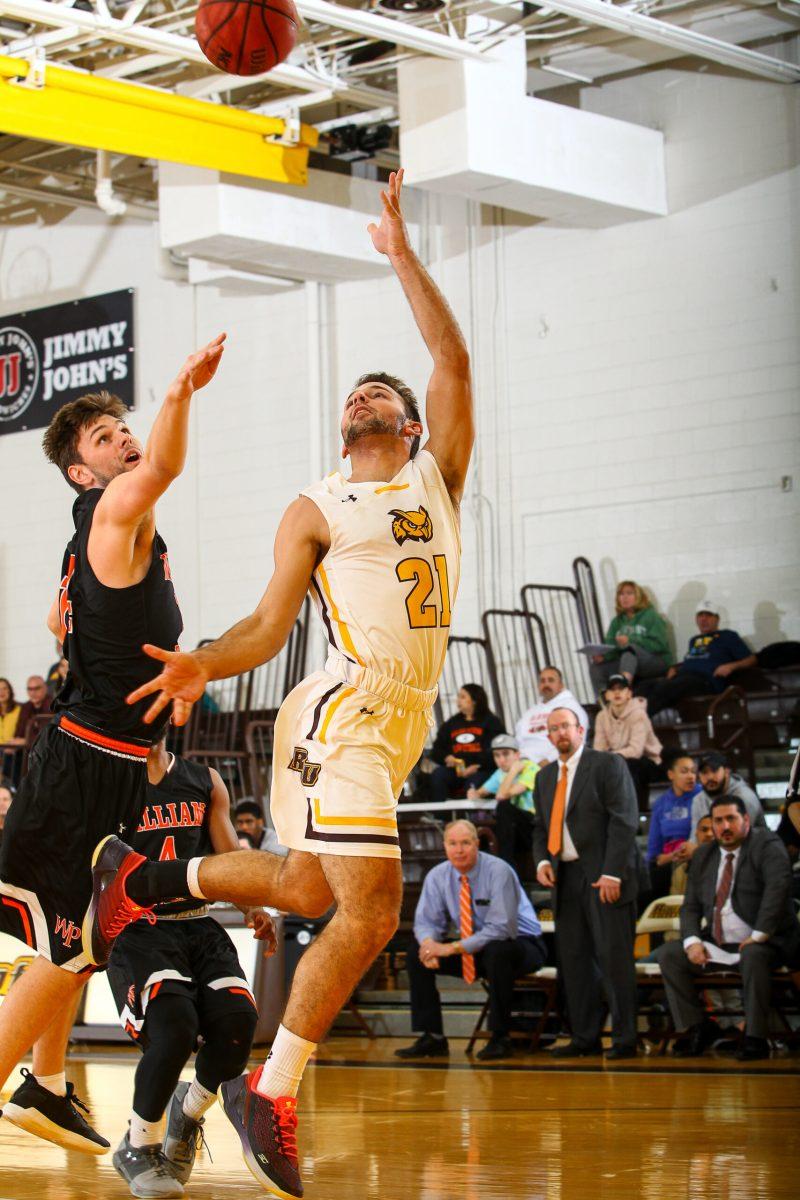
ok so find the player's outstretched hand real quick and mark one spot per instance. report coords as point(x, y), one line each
point(199, 369)
point(390, 236)
point(183, 681)
point(263, 928)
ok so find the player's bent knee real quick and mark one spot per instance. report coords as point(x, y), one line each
point(311, 907)
point(171, 1027)
point(226, 1047)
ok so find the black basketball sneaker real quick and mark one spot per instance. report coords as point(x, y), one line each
point(268, 1132)
point(54, 1118)
point(111, 908)
point(182, 1136)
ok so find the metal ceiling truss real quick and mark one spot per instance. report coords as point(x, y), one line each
point(344, 66)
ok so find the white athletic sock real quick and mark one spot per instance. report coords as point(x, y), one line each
point(57, 1084)
point(198, 1100)
point(191, 878)
point(285, 1064)
point(145, 1133)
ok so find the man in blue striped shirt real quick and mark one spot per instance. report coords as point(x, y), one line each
point(499, 940)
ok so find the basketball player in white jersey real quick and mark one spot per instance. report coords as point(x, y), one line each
point(379, 552)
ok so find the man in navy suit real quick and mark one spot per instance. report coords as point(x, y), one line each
point(586, 819)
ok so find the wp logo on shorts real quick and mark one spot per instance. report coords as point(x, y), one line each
point(68, 931)
point(308, 771)
point(19, 372)
point(412, 526)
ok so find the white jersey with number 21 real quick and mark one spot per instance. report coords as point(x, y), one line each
point(386, 588)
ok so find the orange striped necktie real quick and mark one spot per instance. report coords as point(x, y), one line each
point(465, 915)
point(556, 832)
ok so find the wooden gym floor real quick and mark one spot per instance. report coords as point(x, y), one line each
point(374, 1129)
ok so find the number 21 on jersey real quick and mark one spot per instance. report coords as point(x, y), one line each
point(423, 613)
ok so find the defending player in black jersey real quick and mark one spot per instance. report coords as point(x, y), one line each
point(87, 774)
point(180, 978)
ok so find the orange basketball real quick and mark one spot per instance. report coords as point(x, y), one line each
point(246, 37)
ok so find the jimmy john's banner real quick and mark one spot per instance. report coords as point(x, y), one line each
point(49, 356)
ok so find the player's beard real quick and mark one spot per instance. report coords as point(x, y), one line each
point(102, 480)
point(362, 427)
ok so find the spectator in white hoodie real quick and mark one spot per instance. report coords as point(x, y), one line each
point(623, 726)
point(531, 730)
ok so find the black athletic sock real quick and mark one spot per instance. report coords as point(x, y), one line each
point(154, 881)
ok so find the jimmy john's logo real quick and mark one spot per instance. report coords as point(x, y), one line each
point(412, 526)
point(308, 771)
point(19, 372)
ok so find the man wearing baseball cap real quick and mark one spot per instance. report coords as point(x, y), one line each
point(717, 780)
point(512, 786)
point(713, 655)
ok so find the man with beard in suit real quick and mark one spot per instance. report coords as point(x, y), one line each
point(585, 848)
point(741, 883)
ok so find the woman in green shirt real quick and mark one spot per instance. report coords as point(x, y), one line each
point(639, 637)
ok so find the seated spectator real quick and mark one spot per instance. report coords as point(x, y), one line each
point(671, 824)
point(531, 730)
point(38, 703)
point(624, 727)
point(57, 674)
point(462, 749)
point(248, 818)
point(499, 939)
point(741, 886)
point(717, 779)
point(6, 796)
point(714, 655)
point(9, 711)
point(789, 829)
point(703, 832)
point(512, 786)
point(249, 822)
point(639, 634)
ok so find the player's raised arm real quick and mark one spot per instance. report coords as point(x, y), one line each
point(300, 543)
point(448, 406)
point(131, 495)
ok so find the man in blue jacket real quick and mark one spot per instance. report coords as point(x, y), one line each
point(713, 655)
point(499, 939)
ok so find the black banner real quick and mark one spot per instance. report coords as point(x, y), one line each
point(52, 355)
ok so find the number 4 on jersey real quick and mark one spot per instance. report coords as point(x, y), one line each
point(168, 850)
point(421, 613)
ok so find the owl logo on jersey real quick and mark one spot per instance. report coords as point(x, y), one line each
point(412, 526)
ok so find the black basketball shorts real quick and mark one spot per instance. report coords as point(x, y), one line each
point(190, 956)
point(81, 785)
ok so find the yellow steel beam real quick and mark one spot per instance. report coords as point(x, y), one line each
point(81, 109)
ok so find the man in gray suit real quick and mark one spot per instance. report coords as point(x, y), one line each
point(586, 818)
point(740, 884)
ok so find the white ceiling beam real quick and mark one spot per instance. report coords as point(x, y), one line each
point(684, 41)
point(327, 87)
point(386, 29)
point(373, 117)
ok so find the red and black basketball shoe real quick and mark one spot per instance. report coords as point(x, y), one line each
point(267, 1129)
point(111, 908)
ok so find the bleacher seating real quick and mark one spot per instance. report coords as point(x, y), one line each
point(758, 715)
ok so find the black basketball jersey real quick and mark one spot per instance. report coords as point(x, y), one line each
point(174, 822)
point(103, 629)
